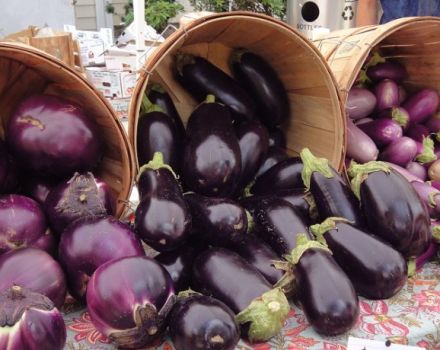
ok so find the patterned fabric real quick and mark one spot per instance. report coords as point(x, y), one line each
point(412, 317)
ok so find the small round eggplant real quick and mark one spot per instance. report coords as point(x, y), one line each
point(382, 131)
point(302, 201)
point(422, 105)
point(277, 138)
point(263, 83)
point(274, 156)
point(400, 152)
point(360, 103)
point(260, 309)
point(201, 322)
point(387, 70)
point(387, 94)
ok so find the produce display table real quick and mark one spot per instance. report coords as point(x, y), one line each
point(411, 317)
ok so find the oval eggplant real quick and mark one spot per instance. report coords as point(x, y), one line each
point(404, 172)
point(277, 138)
point(387, 94)
point(400, 152)
point(391, 207)
point(200, 322)
point(302, 201)
point(218, 220)
point(398, 114)
point(200, 78)
point(211, 159)
point(430, 197)
point(274, 156)
point(417, 169)
point(417, 132)
point(422, 105)
point(387, 70)
point(360, 146)
point(382, 131)
point(374, 276)
point(264, 85)
point(361, 103)
point(228, 277)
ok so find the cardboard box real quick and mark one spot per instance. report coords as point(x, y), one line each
point(120, 105)
point(113, 84)
point(126, 58)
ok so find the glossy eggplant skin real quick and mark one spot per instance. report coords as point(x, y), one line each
point(277, 138)
point(261, 80)
point(201, 322)
point(284, 175)
point(259, 255)
point(376, 270)
point(211, 160)
point(276, 222)
point(200, 78)
point(325, 293)
point(394, 212)
point(274, 156)
point(297, 197)
point(150, 181)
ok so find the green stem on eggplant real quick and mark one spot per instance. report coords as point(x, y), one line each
point(183, 59)
point(399, 117)
point(428, 155)
point(156, 87)
point(250, 222)
point(328, 224)
point(155, 164)
point(287, 282)
point(313, 210)
point(411, 267)
point(313, 164)
point(187, 293)
point(303, 243)
point(436, 234)
point(148, 107)
point(359, 173)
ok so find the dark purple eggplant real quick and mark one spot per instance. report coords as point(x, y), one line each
point(391, 207)
point(324, 292)
point(200, 78)
point(263, 84)
point(387, 94)
point(277, 138)
point(260, 309)
point(387, 70)
point(422, 105)
point(37, 187)
point(163, 219)
point(360, 103)
point(400, 152)
point(433, 123)
point(302, 201)
point(218, 220)
point(417, 169)
point(8, 171)
point(398, 114)
point(374, 276)
point(332, 195)
point(430, 197)
point(211, 160)
point(200, 322)
point(417, 132)
point(274, 156)
point(275, 221)
point(382, 131)
point(254, 142)
point(360, 146)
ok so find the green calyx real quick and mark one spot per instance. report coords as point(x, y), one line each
point(148, 107)
point(436, 234)
point(313, 210)
point(209, 99)
point(437, 136)
point(328, 224)
point(359, 172)
point(431, 198)
point(247, 190)
point(156, 87)
point(183, 59)
point(428, 155)
point(250, 222)
point(363, 79)
point(375, 59)
point(187, 294)
point(411, 264)
point(313, 164)
point(155, 164)
point(399, 117)
point(287, 282)
point(303, 243)
point(266, 315)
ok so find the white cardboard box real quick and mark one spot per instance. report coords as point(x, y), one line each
point(120, 105)
point(113, 84)
point(126, 58)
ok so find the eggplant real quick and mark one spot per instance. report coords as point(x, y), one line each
point(425, 152)
point(218, 220)
point(200, 78)
point(200, 322)
point(434, 171)
point(332, 195)
point(324, 292)
point(277, 138)
point(417, 132)
point(391, 206)
point(382, 131)
point(398, 114)
point(387, 94)
point(274, 156)
point(211, 158)
point(263, 84)
point(433, 123)
point(260, 309)
point(400, 152)
point(360, 146)
point(303, 203)
point(402, 94)
point(162, 218)
point(363, 121)
point(417, 169)
point(422, 105)
point(361, 103)
point(430, 197)
point(374, 276)
point(387, 70)
point(253, 140)
point(275, 221)
point(404, 172)
point(284, 175)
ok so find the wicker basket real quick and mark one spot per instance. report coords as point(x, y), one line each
point(25, 71)
point(317, 120)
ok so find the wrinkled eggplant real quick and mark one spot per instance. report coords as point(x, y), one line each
point(378, 275)
point(211, 160)
point(264, 85)
point(277, 138)
point(260, 309)
point(302, 201)
point(274, 156)
point(391, 206)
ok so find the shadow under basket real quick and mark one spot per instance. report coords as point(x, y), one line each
point(317, 119)
point(25, 71)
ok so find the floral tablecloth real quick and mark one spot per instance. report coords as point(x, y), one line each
point(412, 317)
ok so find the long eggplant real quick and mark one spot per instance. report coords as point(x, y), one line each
point(264, 85)
point(201, 78)
point(325, 293)
point(218, 220)
point(376, 270)
point(333, 197)
point(302, 201)
point(162, 218)
point(211, 159)
point(274, 156)
point(360, 146)
point(387, 70)
point(277, 138)
point(422, 105)
point(260, 309)
point(392, 208)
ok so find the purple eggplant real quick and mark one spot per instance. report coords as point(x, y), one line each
point(382, 131)
point(404, 172)
point(361, 103)
point(374, 276)
point(8, 171)
point(254, 142)
point(260, 309)
point(302, 201)
point(360, 146)
point(163, 219)
point(430, 197)
point(422, 105)
point(218, 220)
point(275, 221)
point(37, 188)
point(274, 156)
point(434, 183)
point(387, 70)
point(277, 138)
point(200, 322)
point(363, 121)
point(391, 206)
point(400, 152)
point(211, 159)
point(398, 114)
point(425, 152)
point(402, 94)
point(263, 84)
point(332, 195)
point(200, 78)
point(417, 169)
point(433, 123)
point(417, 132)
point(387, 94)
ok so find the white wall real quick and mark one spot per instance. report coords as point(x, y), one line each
point(16, 15)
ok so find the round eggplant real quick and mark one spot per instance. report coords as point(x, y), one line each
point(387, 94)
point(400, 152)
point(277, 138)
point(274, 156)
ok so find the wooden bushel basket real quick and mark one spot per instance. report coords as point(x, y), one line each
point(25, 71)
point(317, 119)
